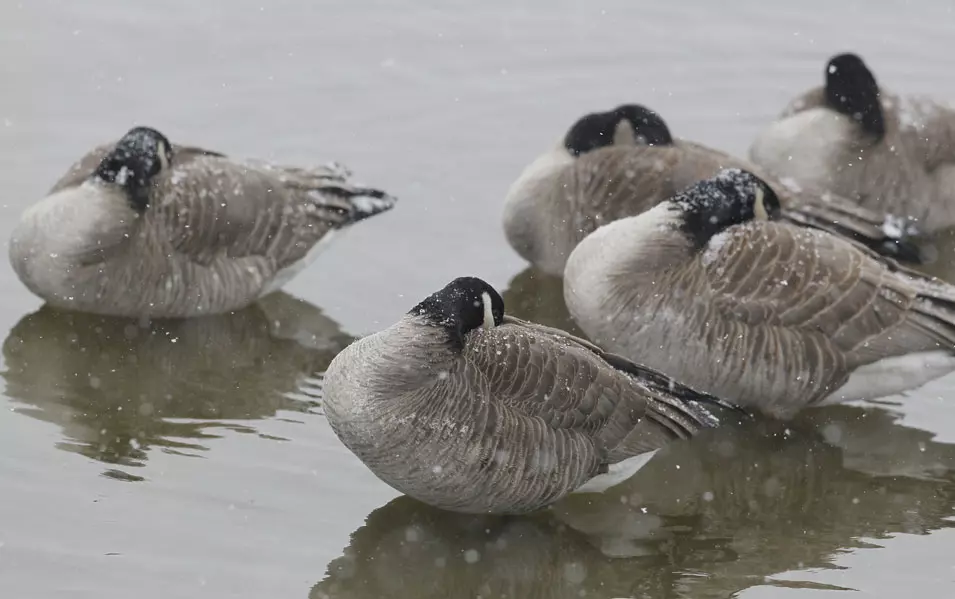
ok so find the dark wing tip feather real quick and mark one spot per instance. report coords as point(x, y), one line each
point(666, 385)
point(363, 202)
point(901, 249)
point(367, 202)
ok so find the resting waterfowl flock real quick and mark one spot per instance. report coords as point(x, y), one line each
point(712, 288)
point(622, 162)
point(708, 287)
point(468, 409)
point(887, 152)
point(191, 230)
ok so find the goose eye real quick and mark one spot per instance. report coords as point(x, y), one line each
point(759, 206)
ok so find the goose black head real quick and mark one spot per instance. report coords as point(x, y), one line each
point(139, 156)
point(629, 123)
point(464, 304)
point(851, 89)
point(732, 197)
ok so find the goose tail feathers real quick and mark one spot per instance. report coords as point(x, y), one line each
point(331, 188)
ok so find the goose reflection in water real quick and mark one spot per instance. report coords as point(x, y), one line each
point(728, 510)
point(119, 387)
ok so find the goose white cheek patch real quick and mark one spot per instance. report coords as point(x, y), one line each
point(759, 206)
point(488, 313)
point(163, 159)
point(623, 135)
point(122, 176)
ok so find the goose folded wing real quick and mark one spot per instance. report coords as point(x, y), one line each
point(619, 181)
point(808, 284)
point(213, 208)
point(571, 385)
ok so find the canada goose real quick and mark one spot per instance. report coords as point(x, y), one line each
point(469, 410)
point(620, 163)
point(711, 289)
point(886, 152)
point(142, 228)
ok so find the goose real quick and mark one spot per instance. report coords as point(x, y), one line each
point(887, 152)
point(143, 228)
point(622, 162)
point(468, 409)
point(713, 288)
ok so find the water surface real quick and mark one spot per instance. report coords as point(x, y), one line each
point(191, 459)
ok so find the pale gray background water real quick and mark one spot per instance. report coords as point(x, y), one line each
point(193, 460)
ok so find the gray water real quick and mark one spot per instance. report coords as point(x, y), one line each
point(192, 459)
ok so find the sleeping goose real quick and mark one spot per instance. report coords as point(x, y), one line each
point(620, 163)
point(143, 228)
point(470, 410)
point(713, 289)
point(886, 152)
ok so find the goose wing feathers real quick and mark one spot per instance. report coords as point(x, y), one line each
point(569, 385)
point(817, 297)
point(212, 207)
point(620, 181)
point(615, 182)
